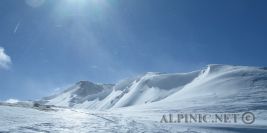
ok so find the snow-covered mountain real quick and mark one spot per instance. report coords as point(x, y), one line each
point(219, 88)
point(213, 85)
point(79, 93)
point(138, 104)
point(150, 87)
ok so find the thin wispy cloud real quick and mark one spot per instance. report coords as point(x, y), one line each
point(5, 60)
point(34, 3)
point(16, 28)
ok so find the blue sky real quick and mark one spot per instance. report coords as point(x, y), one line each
point(50, 44)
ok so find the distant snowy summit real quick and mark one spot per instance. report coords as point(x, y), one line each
point(214, 85)
point(79, 93)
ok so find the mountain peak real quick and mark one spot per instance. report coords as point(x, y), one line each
point(85, 84)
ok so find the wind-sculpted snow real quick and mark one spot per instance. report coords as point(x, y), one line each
point(153, 87)
point(224, 84)
point(148, 88)
point(232, 85)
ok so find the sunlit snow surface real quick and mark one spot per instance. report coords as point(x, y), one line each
point(16, 119)
point(28, 120)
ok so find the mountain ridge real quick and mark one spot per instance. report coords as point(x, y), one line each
point(153, 88)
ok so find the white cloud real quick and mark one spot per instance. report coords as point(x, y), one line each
point(12, 101)
point(5, 60)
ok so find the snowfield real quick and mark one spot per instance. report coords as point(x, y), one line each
point(138, 104)
point(28, 120)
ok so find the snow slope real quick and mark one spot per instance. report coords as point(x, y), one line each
point(28, 120)
point(151, 87)
point(80, 93)
point(217, 88)
point(217, 85)
point(224, 84)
